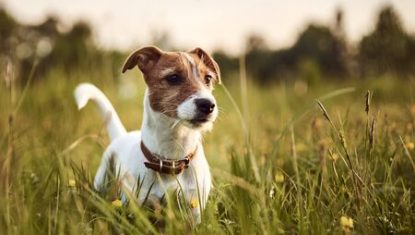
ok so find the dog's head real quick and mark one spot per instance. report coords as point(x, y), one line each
point(180, 83)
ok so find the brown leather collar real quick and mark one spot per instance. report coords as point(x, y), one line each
point(173, 167)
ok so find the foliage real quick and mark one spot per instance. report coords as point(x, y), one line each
point(50, 48)
point(346, 166)
point(316, 44)
point(388, 48)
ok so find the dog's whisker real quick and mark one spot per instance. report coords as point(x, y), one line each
point(175, 124)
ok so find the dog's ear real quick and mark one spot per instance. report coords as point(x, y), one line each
point(208, 61)
point(145, 58)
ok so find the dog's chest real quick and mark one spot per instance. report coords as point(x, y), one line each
point(163, 184)
point(136, 176)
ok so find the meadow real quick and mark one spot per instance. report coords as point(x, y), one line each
point(336, 157)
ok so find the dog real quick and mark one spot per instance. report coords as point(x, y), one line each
point(167, 153)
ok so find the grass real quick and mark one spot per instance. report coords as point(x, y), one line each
point(284, 160)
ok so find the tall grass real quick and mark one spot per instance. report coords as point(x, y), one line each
point(303, 162)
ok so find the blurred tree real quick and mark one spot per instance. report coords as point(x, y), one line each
point(48, 28)
point(73, 48)
point(228, 64)
point(24, 44)
point(40, 39)
point(258, 61)
point(255, 42)
point(317, 50)
point(388, 48)
point(319, 44)
point(8, 27)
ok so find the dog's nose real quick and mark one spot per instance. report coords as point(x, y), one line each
point(204, 105)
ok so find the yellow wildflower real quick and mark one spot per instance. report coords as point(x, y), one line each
point(346, 223)
point(117, 203)
point(334, 157)
point(410, 145)
point(317, 123)
point(279, 177)
point(194, 203)
point(71, 183)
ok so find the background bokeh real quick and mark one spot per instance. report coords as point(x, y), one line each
point(333, 40)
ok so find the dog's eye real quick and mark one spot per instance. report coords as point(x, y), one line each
point(174, 79)
point(208, 79)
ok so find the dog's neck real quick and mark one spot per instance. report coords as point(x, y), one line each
point(165, 136)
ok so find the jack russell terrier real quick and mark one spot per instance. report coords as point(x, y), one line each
point(167, 154)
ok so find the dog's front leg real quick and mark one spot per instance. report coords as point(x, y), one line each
point(195, 203)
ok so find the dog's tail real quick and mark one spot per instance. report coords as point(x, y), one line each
point(85, 92)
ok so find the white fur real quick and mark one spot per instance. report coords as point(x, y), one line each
point(195, 71)
point(85, 92)
point(162, 135)
point(166, 72)
point(193, 66)
point(187, 109)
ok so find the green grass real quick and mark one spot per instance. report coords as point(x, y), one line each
point(280, 164)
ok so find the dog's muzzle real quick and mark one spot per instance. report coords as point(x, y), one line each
point(199, 109)
point(204, 109)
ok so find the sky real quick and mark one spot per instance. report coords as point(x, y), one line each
point(210, 24)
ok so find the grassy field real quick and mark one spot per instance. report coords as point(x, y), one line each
point(282, 162)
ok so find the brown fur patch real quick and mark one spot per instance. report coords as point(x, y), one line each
point(154, 63)
point(165, 98)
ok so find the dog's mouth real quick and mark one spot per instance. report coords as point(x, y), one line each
point(196, 117)
point(199, 121)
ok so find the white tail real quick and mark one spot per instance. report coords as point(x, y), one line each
point(85, 92)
